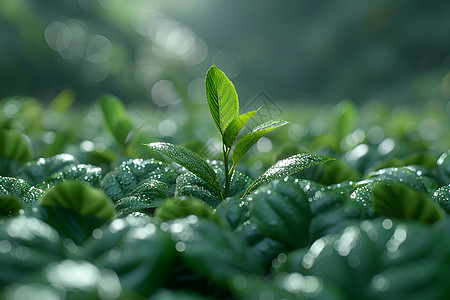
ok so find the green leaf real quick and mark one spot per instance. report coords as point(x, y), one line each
point(116, 118)
point(38, 170)
point(63, 101)
point(235, 127)
point(142, 254)
point(9, 206)
point(81, 198)
point(281, 212)
point(332, 211)
point(213, 250)
point(402, 201)
point(286, 167)
point(382, 259)
point(15, 150)
point(252, 137)
point(20, 189)
point(190, 160)
point(345, 115)
point(222, 98)
point(442, 198)
point(28, 246)
point(81, 172)
point(70, 223)
point(125, 178)
point(175, 208)
point(443, 167)
point(144, 198)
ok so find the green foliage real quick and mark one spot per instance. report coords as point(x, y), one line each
point(248, 140)
point(38, 170)
point(224, 107)
point(142, 253)
point(286, 167)
point(282, 213)
point(81, 198)
point(14, 152)
point(180, 207)
point(235, 126)
point(405, 202)
point(442, 198)
point(222, 98)
point(20, 189)
point(116, 119)
point(100, 224)
point(190, 160)
point(9, 206)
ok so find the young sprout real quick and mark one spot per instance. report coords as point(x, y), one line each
point(224, 107)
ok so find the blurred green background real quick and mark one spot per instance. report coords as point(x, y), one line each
point(158, 51)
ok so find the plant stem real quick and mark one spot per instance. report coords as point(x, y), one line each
point(226, 154)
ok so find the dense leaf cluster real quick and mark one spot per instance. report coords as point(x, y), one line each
point(149, 230)
point(361, 227)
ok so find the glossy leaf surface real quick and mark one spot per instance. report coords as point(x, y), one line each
point(81, 198)
point(126, 177)
point(137, 250)
point(286, 167)
point(14, 146)
point(20, 189)
point(248, 140)
point(281, 212)
point(190, 160)
point(235, 126)
point(213, 250)
point(402, 201)
point(28, 246)
point(442, 198)
point(222, 98)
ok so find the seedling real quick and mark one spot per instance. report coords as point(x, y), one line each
point(224, 107)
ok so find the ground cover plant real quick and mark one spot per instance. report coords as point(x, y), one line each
point(88, 209)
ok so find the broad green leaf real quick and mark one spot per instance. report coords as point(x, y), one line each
point(14, 146)
point(9, 206)
point(412, 176)
point(332, 211)
point(81, 172)
point(143, 199)
point(190, 185)
point(382, 259)
point(190, 160)
point(213, 250)
point(28, 246)
point(403, 201)
point(27, 194)
point(174, 208)
point(252, 137)
point(442, 198)
point(81, 198)
point(286, 167)
point(281, 212)
point(70, 279)
point(38, 170)
point(70, 223)
point(235, 127)
point(129, 175)
point(116, 118)
point(142, 254)
point(443, 167)
point(222, 98)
